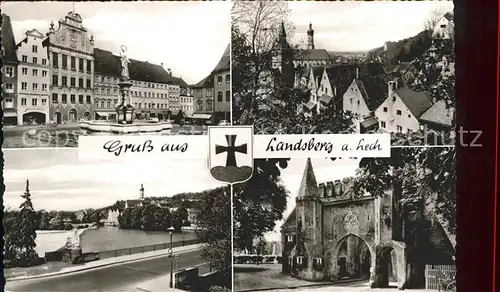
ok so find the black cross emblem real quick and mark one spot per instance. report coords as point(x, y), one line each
point(231, 150)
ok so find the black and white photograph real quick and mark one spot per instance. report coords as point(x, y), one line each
point(113, 68)
point(108, 225)
point(336, 67)
point(371, 224)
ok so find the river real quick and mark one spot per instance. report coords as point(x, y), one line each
point(105, 238)
point(110, 238)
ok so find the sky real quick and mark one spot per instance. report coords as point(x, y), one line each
point(59, 181)
point(324, 169)
point(351, 26)
point(188, 37)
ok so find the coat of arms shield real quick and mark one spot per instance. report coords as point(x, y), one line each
point(230, 156)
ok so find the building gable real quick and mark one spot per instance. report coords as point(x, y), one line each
point(354, 99)
point(394, 113)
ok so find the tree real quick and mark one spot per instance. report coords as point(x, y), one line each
point(26, 233)
point(125, 219)
point(148, 218)
point(214, 230)
point(258, 204)
point(431, 22)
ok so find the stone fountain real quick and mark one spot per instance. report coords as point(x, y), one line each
point(125, 120)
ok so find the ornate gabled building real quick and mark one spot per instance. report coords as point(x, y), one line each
point(71, 56)
point(203, 96)
point(222, 87)
point(10, 102)
point(332, 234)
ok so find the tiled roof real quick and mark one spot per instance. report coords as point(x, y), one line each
point(341, 76)
point(317, 71)
point(139, 70)
point(106, 63)
point(370, 121)
point(439, 114)
point(206, 82)
point(8, 41)
point(291, 220)
point(313, 55)
point(181, 82)
point(417, 101)
point(372, 83)
point(224, 62)
point(308, 186)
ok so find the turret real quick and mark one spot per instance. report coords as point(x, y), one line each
point(310, 37)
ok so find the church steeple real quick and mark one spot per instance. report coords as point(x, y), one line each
point(308, 186)
point(310, 37)
point(141, 195)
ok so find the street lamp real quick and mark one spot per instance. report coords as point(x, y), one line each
point(171, 231)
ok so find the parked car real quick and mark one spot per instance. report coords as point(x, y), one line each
point(224, 123)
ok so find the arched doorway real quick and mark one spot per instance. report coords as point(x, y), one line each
point(387, 268)
point(354, 259)
point(72, 115)
point(86, 116)
point(34, 118)
point(58, 117)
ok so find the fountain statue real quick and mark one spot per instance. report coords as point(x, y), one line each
point(125, 117)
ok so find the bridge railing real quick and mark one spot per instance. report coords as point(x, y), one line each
point(146, 248)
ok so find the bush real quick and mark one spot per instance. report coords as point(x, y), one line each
point(68, 227)
point(219, 289)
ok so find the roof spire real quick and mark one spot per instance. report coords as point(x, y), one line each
point(282, 30)
point(308, 186)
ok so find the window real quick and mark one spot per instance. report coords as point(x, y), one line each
point(73, 81)
point(64, 81)
point(34, 49)
point(23, 101)
point(80, 82)
point(73, 63)
point(382, 124)
point(44, 73)
point(359, 102)
point(399, 129)
point(385, 109)
point(35, 73)
point(289, 238)
point(44, 87)
point(318, 261)
point(228, 95)
point(108, 104)
point(89, 66)
point(80, 99)
point(24, 85)
point(55, 78)
point(102, 103)
point(393, 98)
point(35, 60)
point(64, 61)
point(44, 62)
point(72, 98)
point(409, 116)
point(300, 260)
point(34, 102)
point(228, 79)
point(398, 112)
point(89, 99)
point(219, 80)
point(199, 105)
point(9, 102)
point(443, 25)
point(55, 60)
point(35, 86)
point(9, 88)
point(9, 72)
point(44, 101)
point(209, 105)
point(80, 65)
point(89, 85)
point(25, 59)
point(219, 96)
point(350, 100)
point(25, 71)
point(64, 98)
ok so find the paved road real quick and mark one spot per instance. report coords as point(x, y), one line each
point(113, 278)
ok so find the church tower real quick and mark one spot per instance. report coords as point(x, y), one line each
point(141, 193)
point(310, 37)
point(309, 208)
